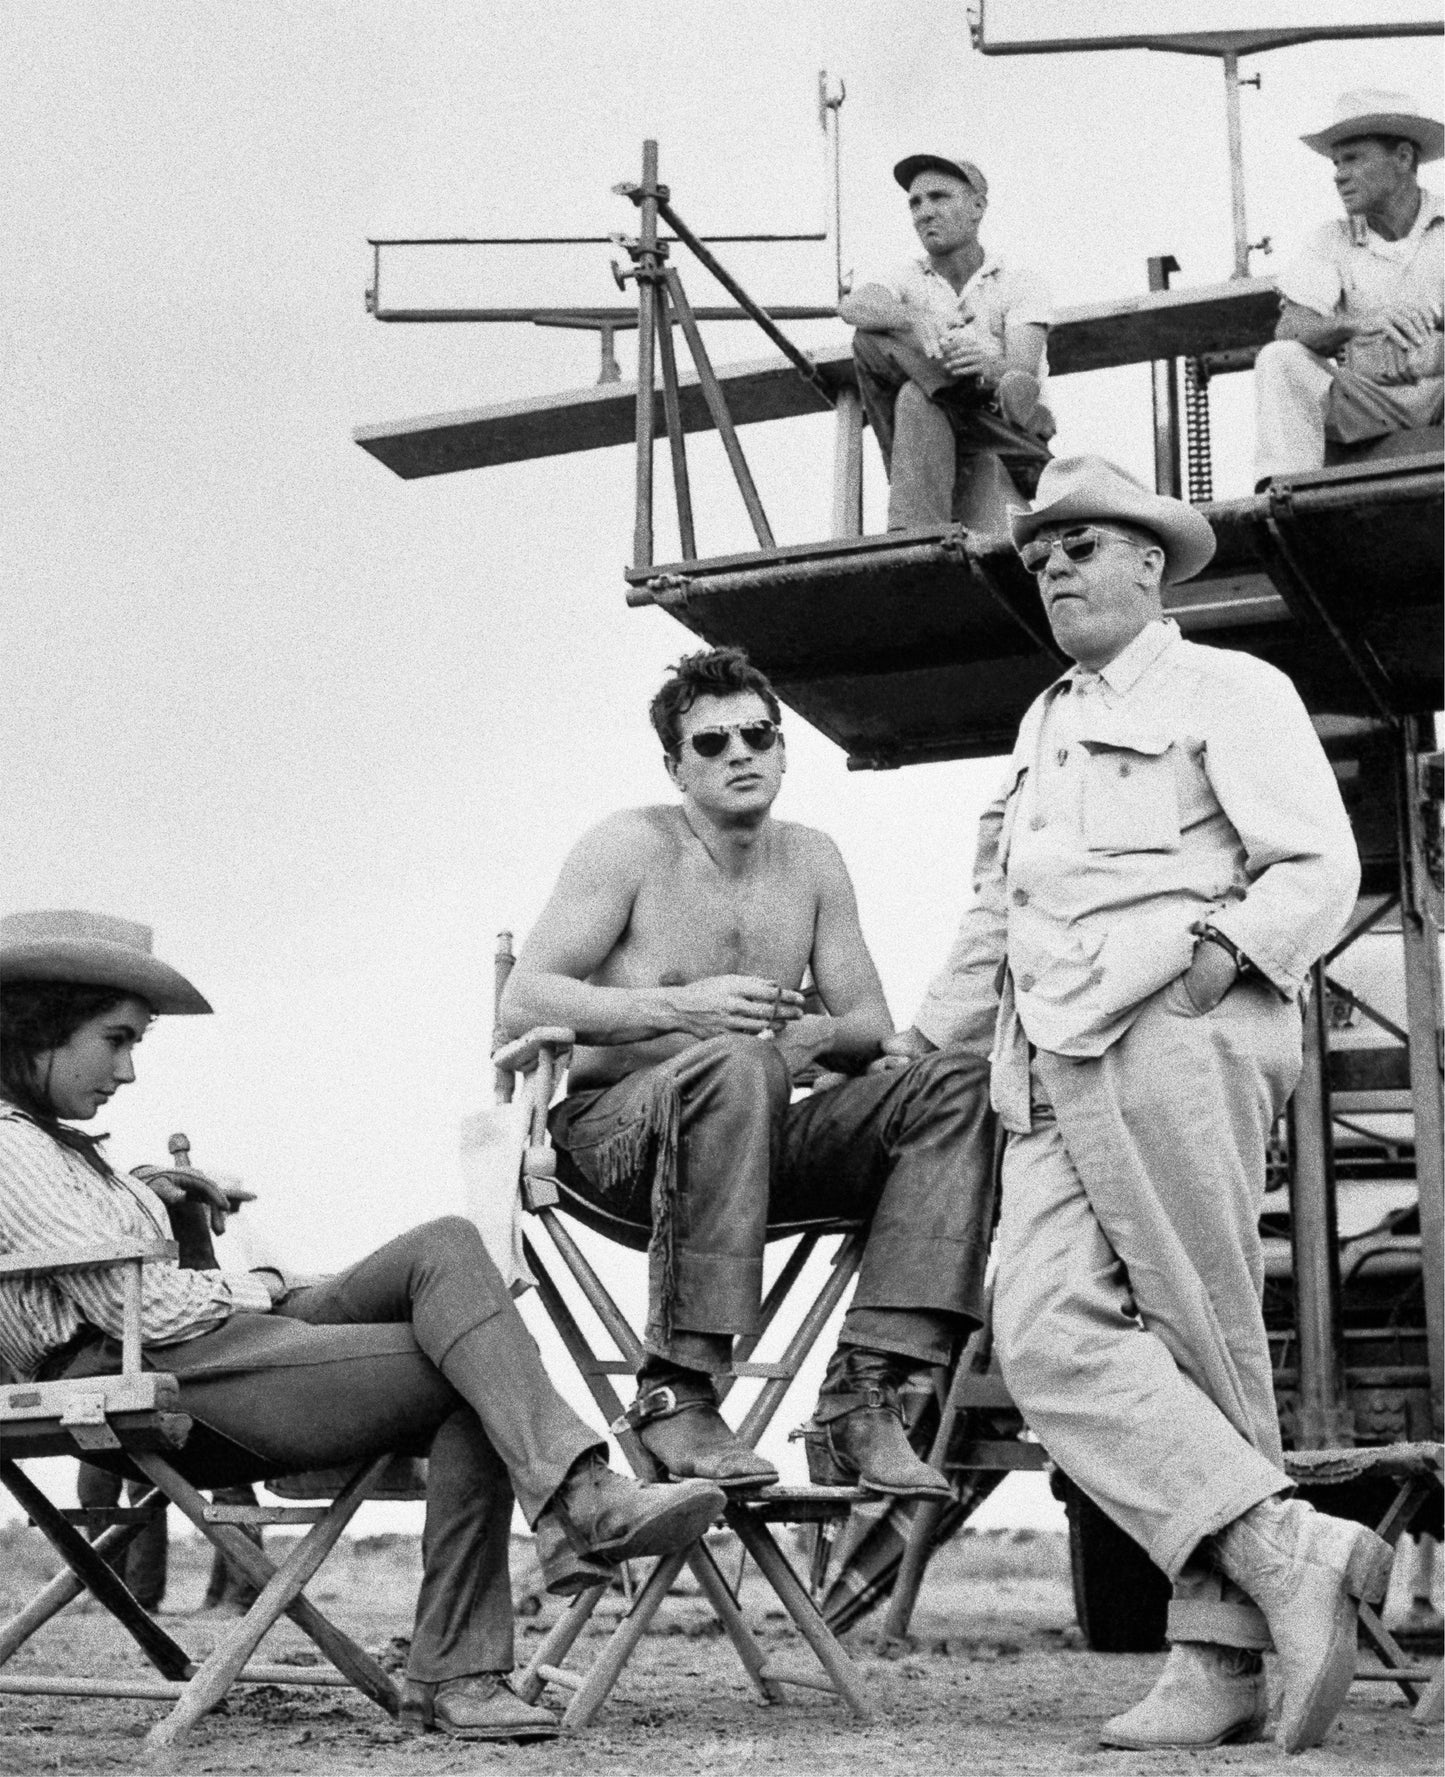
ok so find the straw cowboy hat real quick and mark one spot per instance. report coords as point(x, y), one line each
point(94, 950)
point(1085, 489)
point(1372, 111)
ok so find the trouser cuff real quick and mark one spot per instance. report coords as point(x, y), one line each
point(1226, 1622)
point(908, 1332)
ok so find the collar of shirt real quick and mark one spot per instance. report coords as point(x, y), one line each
point(1432, 210)
point(1128, 666)
point(992, 267)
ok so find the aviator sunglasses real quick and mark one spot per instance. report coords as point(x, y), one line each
point(758, 737)
point(1077, 545)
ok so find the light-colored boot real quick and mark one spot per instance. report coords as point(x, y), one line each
point(1307, 1572)
point(1205, 1696)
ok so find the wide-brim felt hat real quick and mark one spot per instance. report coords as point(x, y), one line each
point(1085, 490)
point(912, 165)
point(93, 950)
point(1375, 111)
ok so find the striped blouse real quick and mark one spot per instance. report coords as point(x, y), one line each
point(51, 1201)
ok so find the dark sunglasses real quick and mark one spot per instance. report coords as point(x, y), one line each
point(1077, 545)
point(758, 737)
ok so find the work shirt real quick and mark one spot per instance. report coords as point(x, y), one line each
point(53, 1201)
point(999, 295)
point(1179, 785)
point(1345, 268)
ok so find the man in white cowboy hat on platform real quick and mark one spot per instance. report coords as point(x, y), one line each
point(1167, 857)
point(1357, 352)
point(949, 350)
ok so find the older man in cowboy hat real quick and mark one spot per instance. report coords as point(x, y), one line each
point(949, 350)
point(1167, 857)
point(1357, 352)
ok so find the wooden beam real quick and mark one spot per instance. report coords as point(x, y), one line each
point(1096, 336)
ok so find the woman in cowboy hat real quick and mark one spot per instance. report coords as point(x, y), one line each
point(418, 1347)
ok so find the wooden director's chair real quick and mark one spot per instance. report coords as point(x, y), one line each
point(529, 1066)
point(136, 1415)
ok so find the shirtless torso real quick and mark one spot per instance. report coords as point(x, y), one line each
point(671, 924)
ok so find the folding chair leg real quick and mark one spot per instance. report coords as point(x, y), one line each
point(1392, 1655)
point(719, 1595)
point(280, 1591)
point(1430, 1710)
point(168, 1657)
point(65, 1588)
point(846, 1679)
point(607, 1667)
point(556, 1644)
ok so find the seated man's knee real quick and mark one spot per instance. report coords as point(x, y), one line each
point(872, 351)
point(1282, 360)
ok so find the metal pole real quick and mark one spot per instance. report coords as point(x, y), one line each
point(1167, 477)
point(648, 261)
point(1236, 163)
point(676, 441)
point(1420, 929)
point(848, 466)
point(1324, 1419)
point(717, 406)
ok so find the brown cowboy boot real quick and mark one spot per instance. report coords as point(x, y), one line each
point(856, 1435)
point(676, 1419)
point(612, 1518)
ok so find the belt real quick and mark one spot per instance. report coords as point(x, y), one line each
point(57, 1362)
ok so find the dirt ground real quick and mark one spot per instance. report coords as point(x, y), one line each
point(996, 1681)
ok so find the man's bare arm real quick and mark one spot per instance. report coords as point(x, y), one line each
point(873, 308)
point(1406, 324)
point(578, 930)
point(857, 1019)
point(964, 354)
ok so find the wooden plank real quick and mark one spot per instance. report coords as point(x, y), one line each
point(1095, 336)
point(86, 1258)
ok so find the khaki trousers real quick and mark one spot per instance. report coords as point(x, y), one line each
point(1300, 400)
point(1127, 1305)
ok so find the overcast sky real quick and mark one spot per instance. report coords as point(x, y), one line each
point(328, 730)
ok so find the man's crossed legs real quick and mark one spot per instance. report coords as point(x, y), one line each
point(709, 1151)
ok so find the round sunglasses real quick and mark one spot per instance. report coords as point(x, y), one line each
point(758, 737)
point(1077, 545)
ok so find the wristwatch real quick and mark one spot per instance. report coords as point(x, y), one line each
point(1242, 965)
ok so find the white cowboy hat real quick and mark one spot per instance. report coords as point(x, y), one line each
point(93, 950)
point(1086, 489)
point(1373, 111)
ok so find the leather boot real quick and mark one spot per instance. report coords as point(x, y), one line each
point(565, 1573)
point(1205, 1696)
point(1307, 1572)
point(613, 1518)
point(856, 1435)
point(676, 1419)
point(481, 1706)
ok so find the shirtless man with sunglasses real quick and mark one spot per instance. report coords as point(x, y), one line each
point(677, 944)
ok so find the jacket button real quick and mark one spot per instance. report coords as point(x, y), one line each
point(1062, 756)
point(1021, 897)
point(1124, 769)
point(1026, 983)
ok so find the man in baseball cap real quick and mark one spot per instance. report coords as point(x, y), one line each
point(950, 352)
point(1357, 352)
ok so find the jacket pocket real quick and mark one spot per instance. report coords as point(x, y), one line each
point(1131, 800)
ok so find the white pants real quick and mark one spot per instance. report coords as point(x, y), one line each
point(1291, 395)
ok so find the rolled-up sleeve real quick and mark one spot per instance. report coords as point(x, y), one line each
point(1273, 781)
point(51, 1202)
point(1312, 277)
